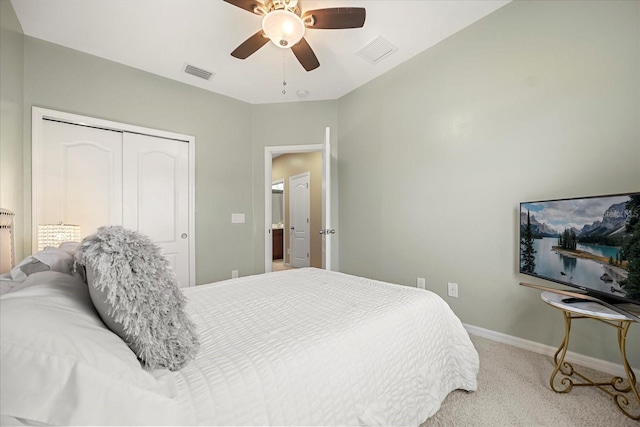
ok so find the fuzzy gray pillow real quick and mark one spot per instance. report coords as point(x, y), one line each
point(136, 293)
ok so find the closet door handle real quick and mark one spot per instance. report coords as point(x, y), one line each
point(184, 235)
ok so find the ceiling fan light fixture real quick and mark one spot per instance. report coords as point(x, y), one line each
point(283, 28)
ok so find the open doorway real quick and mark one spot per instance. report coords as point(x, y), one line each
point(317, 229)
point(301, 174)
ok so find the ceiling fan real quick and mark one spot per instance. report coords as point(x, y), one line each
point(284, 24)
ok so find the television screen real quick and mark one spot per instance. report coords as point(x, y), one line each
point(591, 243)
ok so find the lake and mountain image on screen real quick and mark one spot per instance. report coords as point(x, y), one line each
point(591, 243)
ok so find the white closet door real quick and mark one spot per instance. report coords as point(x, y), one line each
point(81, 177)
point(156, 195)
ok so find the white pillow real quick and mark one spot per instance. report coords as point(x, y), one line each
point(61, 365)
point(7, 284)
point(50, 258)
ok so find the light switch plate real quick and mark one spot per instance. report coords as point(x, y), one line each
point(237, 218)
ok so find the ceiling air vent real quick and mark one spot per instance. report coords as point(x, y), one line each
point(376, 50)
point(198, 72)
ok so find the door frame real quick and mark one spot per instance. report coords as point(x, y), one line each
point(39, 114)
point(268, 158)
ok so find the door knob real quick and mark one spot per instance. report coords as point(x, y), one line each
point(184, 235)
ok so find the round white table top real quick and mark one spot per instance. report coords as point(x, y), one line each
point(588, 308)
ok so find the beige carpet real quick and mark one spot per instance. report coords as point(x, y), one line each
point(513, 390)
point(279, 265)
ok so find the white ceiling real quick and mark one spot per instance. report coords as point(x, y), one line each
point(161, 36)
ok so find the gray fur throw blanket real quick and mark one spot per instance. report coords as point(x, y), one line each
point(137, 295)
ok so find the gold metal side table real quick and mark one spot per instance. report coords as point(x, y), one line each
point(621, 393)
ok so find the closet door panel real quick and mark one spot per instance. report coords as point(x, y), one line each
point(81, 179)
point(156, 195)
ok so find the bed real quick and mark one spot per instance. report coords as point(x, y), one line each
point(297, 347)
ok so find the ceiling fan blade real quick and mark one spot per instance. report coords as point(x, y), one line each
point(336, 18)
point(250, 45)
point(249, 5)
point(305, 55)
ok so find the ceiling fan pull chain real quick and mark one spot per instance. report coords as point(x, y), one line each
point(284, 81)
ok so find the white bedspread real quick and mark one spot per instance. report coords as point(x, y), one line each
point(311, 347)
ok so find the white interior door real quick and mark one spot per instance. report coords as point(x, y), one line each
point(326, 231)
point(80, 180)
point(156, 195)
point(299, 207)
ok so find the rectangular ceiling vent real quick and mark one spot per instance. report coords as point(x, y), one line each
point(376, 50)
point(198, 72)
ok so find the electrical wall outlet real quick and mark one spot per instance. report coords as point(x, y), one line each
point(452, 289)
point(234, 274)
point(421, 283)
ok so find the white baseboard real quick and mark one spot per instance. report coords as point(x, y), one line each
point(579, 359)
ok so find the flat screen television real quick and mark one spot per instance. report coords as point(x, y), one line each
point(589, 243)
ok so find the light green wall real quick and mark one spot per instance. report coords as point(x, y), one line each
point(538, 100)
point(11, 120)
point(63, 79)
